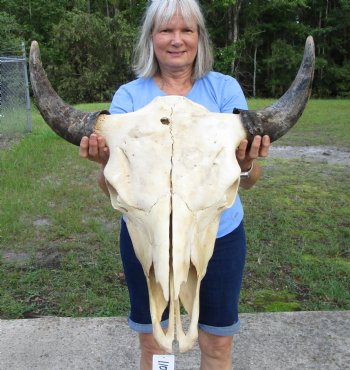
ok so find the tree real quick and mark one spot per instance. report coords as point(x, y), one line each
point(92, 56)
point(259, 42)
point(11, 35)
point(267, 28)
point(233, 16)
point(226, 50)
point(331, 29)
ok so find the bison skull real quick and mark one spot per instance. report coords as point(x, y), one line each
point(172, 171)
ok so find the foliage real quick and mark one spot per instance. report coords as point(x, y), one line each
point(259, 42)
point(281, 65)
point(98, 52)
point(10, 32)
point(224, 57)
point(273, 27)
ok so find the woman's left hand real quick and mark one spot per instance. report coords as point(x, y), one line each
point(246, 156)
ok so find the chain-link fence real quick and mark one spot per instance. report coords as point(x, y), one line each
point(15, 113)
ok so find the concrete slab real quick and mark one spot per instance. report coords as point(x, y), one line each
point(271, 341)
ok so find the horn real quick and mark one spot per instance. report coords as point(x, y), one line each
point(66, 121)
point(279, 117)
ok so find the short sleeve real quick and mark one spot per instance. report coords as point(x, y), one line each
point(122, 102)
point(233, 96)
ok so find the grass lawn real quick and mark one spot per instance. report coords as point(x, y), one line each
point(59, 234)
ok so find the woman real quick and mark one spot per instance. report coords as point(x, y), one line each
point(173, 57)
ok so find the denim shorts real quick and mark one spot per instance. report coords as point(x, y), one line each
point(219, 292)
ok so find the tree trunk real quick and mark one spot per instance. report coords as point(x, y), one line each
point(107, 9)
point(30, 10)
point(234, 11)
point(254, 72)
point(229, 25)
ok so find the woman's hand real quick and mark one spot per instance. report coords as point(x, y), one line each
point(94, 148)
point(246, 157)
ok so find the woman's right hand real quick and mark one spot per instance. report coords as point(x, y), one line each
point(94, 148)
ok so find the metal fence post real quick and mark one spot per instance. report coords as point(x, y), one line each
point(25, 74)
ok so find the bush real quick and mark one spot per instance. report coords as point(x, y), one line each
point(92, 56)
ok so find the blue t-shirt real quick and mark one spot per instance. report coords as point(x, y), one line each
point(217, 92)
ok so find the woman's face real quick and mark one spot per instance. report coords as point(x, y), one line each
point(175, 44)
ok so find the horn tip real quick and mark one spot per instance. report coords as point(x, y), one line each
point(34, 53)
point(310, 44)
point(34, 45)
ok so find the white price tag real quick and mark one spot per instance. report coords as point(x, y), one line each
point(163, 362)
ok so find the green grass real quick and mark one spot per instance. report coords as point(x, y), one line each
point(298, 230)
point(59, 234)
point(324, 122)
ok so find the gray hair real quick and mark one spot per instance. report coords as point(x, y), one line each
point(159, 12)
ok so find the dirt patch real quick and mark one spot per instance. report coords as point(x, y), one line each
point(19, 258)
point(50, 258)
point(6, 141)
point(41, 222)
point(322, 154)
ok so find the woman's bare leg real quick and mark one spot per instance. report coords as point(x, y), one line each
point(149, 347)
point(216, 351)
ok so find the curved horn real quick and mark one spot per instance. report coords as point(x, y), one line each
point(279, 117)
point(66, 121)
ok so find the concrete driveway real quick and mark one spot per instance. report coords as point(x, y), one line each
point(271, 341)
